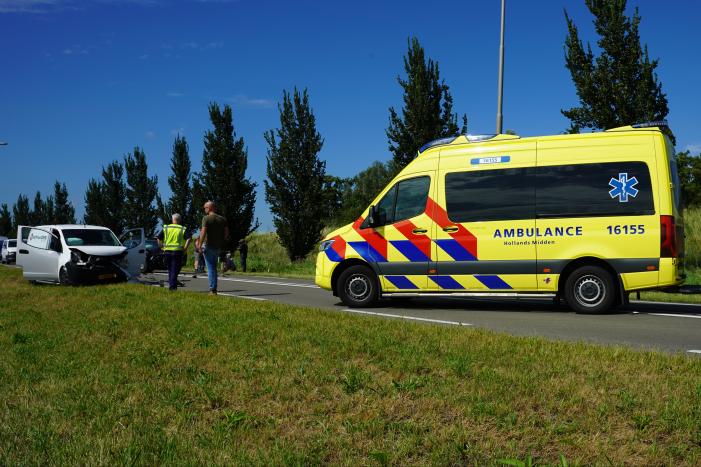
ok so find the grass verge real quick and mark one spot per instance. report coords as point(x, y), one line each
point(137, 375)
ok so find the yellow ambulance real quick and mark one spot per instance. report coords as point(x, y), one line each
point(587, 218)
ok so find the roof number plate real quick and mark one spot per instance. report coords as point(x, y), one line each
point(490, 160)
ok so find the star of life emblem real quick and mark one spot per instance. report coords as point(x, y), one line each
point(623, 187)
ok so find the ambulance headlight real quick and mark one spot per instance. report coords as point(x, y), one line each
point(325, 245)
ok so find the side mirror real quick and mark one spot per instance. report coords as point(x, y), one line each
point(372, 216)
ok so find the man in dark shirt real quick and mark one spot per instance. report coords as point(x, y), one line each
point(213, 236)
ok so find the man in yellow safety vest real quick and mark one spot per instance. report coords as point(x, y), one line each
point(174, 244)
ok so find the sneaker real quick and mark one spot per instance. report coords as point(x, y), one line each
point(194, 276)
point(212, 291)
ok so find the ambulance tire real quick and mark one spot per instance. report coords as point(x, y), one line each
point(357, 287)
point(590, 290)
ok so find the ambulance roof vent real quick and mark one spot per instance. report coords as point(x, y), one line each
point(642, 125)
point(478, 138)
point(437, 142)
point(662, 123)
point(459, 139)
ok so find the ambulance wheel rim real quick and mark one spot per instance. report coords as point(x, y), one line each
point(358, 287)
point(589, 291)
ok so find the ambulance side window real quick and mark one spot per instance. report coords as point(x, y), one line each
point(490, 195)
point(404, 200)
point(412, 195)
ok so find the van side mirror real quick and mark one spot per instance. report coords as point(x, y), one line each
point(372, 216)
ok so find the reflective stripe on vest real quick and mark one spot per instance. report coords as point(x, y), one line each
point(174, 237)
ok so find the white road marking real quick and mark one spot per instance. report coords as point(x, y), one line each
point(252, 281)
point(414, 318)
point(675, 315)
point(650, 302)
point(241, 296)
point(693, 351)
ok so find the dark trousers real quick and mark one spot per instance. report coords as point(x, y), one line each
point(243, 263)
point(174, 260)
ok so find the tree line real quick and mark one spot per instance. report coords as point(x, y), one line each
point(618, 87)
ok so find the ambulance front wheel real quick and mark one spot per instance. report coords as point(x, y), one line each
point(590, 290)
point(357, 286)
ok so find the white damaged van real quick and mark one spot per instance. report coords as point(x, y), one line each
point(79, 254)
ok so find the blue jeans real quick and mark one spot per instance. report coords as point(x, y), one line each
point(211, 256)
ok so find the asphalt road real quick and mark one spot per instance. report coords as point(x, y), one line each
point(669, 327)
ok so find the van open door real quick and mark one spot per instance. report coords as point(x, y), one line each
point(135, 242)
point(37, 253)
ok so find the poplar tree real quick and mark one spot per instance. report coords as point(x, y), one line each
point(180, 185)
point(140, 193)
point(6, 226)
point(64, 212)
point(223, 175)
point(427, 113)
point(49, 211)
point(113, 192)
point(94, 203)
point(20, 211)
point(37, 216)
point(295, 186)
point(620, 86)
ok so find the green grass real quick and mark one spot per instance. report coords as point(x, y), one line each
point(128, 374)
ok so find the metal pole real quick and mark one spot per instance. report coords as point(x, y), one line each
point(501, 68)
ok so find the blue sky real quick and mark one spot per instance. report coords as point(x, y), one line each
point(83, 82)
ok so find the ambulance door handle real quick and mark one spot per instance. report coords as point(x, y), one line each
point(450, 228)
point(419, 231)
point(23, 252)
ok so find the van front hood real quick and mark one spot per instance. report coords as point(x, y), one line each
point(101, 250)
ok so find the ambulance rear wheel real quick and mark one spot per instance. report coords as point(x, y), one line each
point(357, 286)
point(590, 290)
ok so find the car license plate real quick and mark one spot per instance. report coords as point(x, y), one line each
point(106, 276)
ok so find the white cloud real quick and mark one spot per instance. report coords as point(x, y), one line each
point(693, 148)
point(27, 6)
point(193, 45)
point(51, 6)
point(150, 134)
point(175, 94)
point(251, 102)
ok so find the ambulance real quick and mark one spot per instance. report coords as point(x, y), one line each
point(584, 218)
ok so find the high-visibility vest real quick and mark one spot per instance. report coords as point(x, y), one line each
point(173, 237)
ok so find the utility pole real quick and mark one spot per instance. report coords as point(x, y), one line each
point(501, 69)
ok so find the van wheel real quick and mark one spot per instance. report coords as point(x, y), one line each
point(357, 286)
point(63, 278)
point(590, 290)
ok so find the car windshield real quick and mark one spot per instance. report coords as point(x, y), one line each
point(12, 244)
point(90, 237)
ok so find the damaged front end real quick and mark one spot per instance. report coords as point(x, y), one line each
point(84, 268)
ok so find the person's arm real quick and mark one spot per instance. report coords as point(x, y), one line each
point(203, 232)
point(187, 243)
